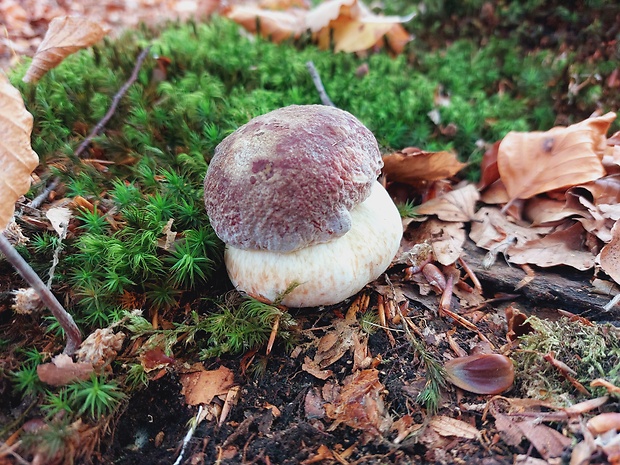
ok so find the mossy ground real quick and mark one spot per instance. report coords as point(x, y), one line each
point(503, 70)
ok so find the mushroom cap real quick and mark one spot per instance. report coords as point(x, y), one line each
point(289, 178)
point(329, 272)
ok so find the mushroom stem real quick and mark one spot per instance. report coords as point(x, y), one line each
point(74, 337)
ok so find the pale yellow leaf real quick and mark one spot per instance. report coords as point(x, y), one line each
point(17, 159)
point(65, 35)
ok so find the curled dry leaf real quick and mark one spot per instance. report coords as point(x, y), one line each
point(535, 162)
point(63, 370)
point(563, 247)
point(360, 404)
point(457, 205)
point(482, 373)
point(445, 238)
point(277, 25)
point(412, 166)
point(17, 159)
point(353, 27)
point(65, 35)
point(604, 422)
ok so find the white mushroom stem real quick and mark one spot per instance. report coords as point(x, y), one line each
point(329, 272)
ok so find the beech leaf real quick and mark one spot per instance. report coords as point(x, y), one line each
point(481, 373)
point(457, 205)
point(201, 387)
point(17, 159)
point(65, 35)
point(412, 165)
point(609, 258)
point(535, 162)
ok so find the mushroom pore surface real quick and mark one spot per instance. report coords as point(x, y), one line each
point(329, 272)
point(289, 178)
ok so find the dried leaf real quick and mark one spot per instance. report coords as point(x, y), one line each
point(457, 205)
point(65, 35)
point(353, 27)
point(412, 165)
point(609, 258)
point(543, 210)
point(276, 25)
point(558, 248)
point(101, 347)
point(446, 239)
point(201, 387)
point(447, 426)
point(481, 373)
point(63, 370)
point(155, 359)
point(604, 422)
point(17, 159)
point(360, 404)
point(536, 162)
point(59, 217)
point(489, 173)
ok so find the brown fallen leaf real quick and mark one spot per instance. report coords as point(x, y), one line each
point(63, 370)
point(536, 162)
point(65, 35)
point(352, 27)
point(200, 387)
point(457, 205)
point(276, 25)
point(489, 173)
point(563, 247)
point(447, 426)
point(360, 405)
point(445, 238)
point(412, 166)
point(17, 158)
point(609, 258)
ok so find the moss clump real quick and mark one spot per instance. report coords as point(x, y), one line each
point(591, 352)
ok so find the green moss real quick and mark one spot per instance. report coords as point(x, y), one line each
point(589, 351)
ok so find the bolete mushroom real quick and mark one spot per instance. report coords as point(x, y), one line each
point(294, 195)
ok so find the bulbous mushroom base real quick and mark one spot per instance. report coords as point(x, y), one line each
point(325, 273)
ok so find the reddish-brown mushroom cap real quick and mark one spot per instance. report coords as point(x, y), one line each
point(289, 178)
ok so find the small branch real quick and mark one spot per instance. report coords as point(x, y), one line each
point(74, 337)
point(115, 101)
point(316, 79)
point(39, 199)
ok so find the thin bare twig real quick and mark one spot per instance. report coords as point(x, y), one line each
point(39, 199)
point(115, 101)
point(74, 337)
point(316, 79)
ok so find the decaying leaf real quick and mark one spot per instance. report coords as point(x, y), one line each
point(63, 370)
point(412, 166)
point(447, 426)
point(609, 258)
point(457, 205)
point(359, 404)
point(101, 347)
point(563, 247)
point(59, 217)
point(276, 25)
point(348, 24)
point(353, 27)
point(200, 387)
point(65, 35)
point(446, 239)
point(535, 162)
point(17, 159)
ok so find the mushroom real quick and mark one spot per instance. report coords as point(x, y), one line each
point(295, 197)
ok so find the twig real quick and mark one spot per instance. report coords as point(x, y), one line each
point(316, 79)
point(74, 337)
point(115, 101)
point(39, 199)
